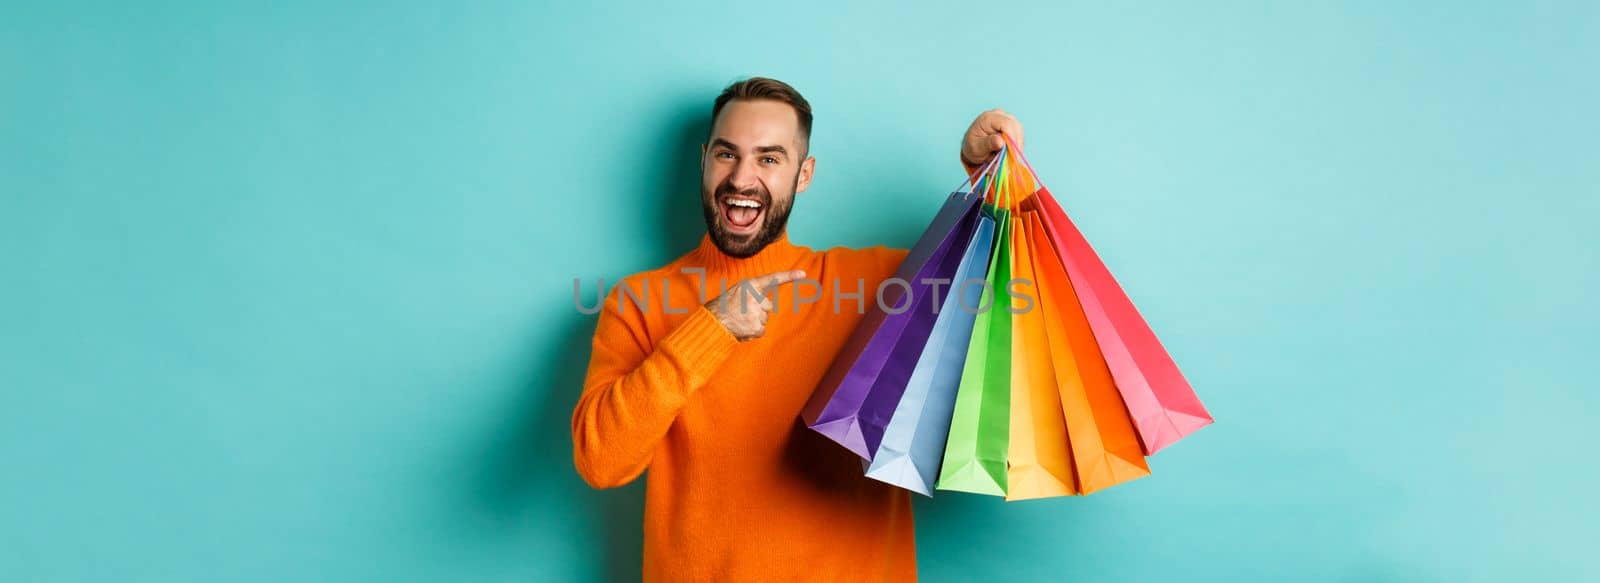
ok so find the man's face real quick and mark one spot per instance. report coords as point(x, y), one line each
point(751, 168)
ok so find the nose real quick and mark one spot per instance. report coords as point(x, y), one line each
point(744, 175)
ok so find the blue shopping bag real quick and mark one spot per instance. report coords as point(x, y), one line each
point(913, 443)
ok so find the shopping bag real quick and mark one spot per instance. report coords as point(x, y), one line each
point(851, 384)
point(1163, 406)
point(1038, 461)
point(1104, 448)
point(886, 393)
point(975, 451)
point(913, 442)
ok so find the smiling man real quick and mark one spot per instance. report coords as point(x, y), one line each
point(705, 392)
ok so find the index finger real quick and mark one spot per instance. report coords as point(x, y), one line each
point(772, 280)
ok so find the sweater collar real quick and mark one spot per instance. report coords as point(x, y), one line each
point(779, 255)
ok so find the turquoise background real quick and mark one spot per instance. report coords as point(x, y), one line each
point(287, 289)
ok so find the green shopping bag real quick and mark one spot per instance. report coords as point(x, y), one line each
point(975, 452)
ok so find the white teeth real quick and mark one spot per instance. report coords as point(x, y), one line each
point(744, 203)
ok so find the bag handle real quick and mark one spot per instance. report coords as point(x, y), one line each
point(1024, 159)
point(977, 178)
point(1000, 177)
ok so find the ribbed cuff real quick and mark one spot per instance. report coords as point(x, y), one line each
point(700, 343)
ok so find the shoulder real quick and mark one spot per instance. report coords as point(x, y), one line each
point(634, 305)
point(877, 260)
point(637, 282)
point(636, 297)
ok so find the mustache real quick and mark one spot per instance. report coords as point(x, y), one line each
point(725, 189)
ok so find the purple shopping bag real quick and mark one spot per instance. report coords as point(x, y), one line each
point(856, 398)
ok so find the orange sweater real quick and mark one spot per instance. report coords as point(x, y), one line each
point(738, 489)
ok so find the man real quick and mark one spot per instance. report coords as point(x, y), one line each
point(706, 393)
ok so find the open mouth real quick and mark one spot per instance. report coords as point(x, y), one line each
point(742, 215)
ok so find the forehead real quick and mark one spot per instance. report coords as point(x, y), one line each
point(757, 123)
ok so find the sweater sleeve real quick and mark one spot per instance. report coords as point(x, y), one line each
point(632, 394)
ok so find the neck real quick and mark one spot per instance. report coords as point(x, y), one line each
point(779, 255)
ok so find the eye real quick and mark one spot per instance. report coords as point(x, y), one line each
point(725, 155)
point(769, 160)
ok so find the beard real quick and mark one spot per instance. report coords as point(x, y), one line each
point(773, 220)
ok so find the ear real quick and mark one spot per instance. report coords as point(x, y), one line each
point(703, 146)
point(804, 179)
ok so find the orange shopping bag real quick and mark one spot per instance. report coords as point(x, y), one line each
point(1105, 447)
point(1039, 464)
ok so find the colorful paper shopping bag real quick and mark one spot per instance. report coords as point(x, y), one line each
point(975, 451)
point(1163, 406)
point(1038, 462)
point(913, 443)
point(851, 386)
point(1105, 449)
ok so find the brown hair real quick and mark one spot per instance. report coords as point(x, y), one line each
point(764, 88)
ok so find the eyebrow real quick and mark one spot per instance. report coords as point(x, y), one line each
point(721, 143)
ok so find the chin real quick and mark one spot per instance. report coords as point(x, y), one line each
point(738, 246)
